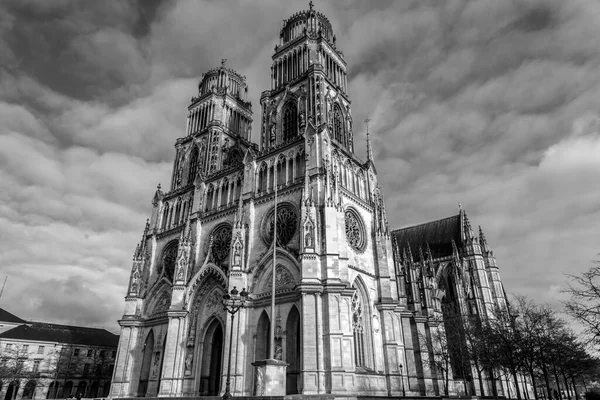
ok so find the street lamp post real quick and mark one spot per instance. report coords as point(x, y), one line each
point(402, 380)
point(232, 302)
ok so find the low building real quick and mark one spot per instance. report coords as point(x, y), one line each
point(39, 360)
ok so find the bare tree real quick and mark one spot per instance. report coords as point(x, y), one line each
point(585, 301)
point(14, 367)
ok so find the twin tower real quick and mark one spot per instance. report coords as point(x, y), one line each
point(357, 305)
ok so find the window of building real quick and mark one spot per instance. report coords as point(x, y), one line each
point(361, 329)
point(9, 346)
point(36, 366)
point(338, 129)
point(290, 123)
point(98, 369)
point(90, 352)
point(102, 353)
point(41, 350)
point(72, 367)
point(20, 363)
point(25, 348)
point(76, 352)
point(193, 164)
point(86, 368)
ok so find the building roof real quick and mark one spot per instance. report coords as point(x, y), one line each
point(5, 316)
point(437, 234)
point(44, 332)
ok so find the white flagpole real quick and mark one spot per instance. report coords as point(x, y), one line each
point(272, 347)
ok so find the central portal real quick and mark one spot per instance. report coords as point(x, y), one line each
point(212, 356)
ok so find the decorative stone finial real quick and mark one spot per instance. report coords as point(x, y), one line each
point(311, 5)
point(223, 61)
point(369, 150)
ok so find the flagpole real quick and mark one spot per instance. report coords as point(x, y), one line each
point(272, 330)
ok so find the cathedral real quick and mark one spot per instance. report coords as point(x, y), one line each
point(299, 219)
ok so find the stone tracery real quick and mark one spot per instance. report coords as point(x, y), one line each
point(355, 231)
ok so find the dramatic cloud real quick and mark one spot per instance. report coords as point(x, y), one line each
point(491, 104)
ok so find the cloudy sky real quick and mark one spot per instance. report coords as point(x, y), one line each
point(491, 103)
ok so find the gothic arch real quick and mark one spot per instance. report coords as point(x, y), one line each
point(262, 177)
point(147, 352)
point(206, 272)
point(339, 133)
point(262, 346)
point(292, 351)
point(262, 273)
point(159, 299)
point(165, 215)
point(210, 355)
point(193, 166)
point(361, 325)
point(167, 259)
point(289, 126)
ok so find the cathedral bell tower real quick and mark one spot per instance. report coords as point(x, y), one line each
point(308, 83)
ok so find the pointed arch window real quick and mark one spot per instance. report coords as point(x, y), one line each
point(209, 197)
point(290, 122)
point(165, 216)
point(361, 329)
point(281, 172)
point(225, 193)
point(262, 178)
point(338, 127)
point(193, 165)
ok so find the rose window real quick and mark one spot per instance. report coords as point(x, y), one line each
point(221, 243)
point(355, 231)
point(169, 258)
point(287, 222)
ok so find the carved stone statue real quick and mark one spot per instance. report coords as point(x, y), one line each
point(189, 359)
point(302, 120)
point(237, 257)
point(308, 239)
point(272, 137)
point(260, 383)
point(278, 352)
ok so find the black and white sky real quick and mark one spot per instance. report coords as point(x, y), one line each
point(493, 104)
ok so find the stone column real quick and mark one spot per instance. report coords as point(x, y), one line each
point(172, 374)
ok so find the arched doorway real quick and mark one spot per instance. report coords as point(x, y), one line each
point(29, 390)
point(263, 345)
point(292, 353)
point(212, 357)
point(52, 390)
point(147, 350)
point(12, 390)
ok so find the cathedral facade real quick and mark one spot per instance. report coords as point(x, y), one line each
point(358, 305)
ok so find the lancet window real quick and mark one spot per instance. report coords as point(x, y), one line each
point(210, 194)
point(262, 178)
point(165, 217)
point(224, 192)
point(338, 127)
point(359, 329)
point(290, 122)
point(193, 164)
